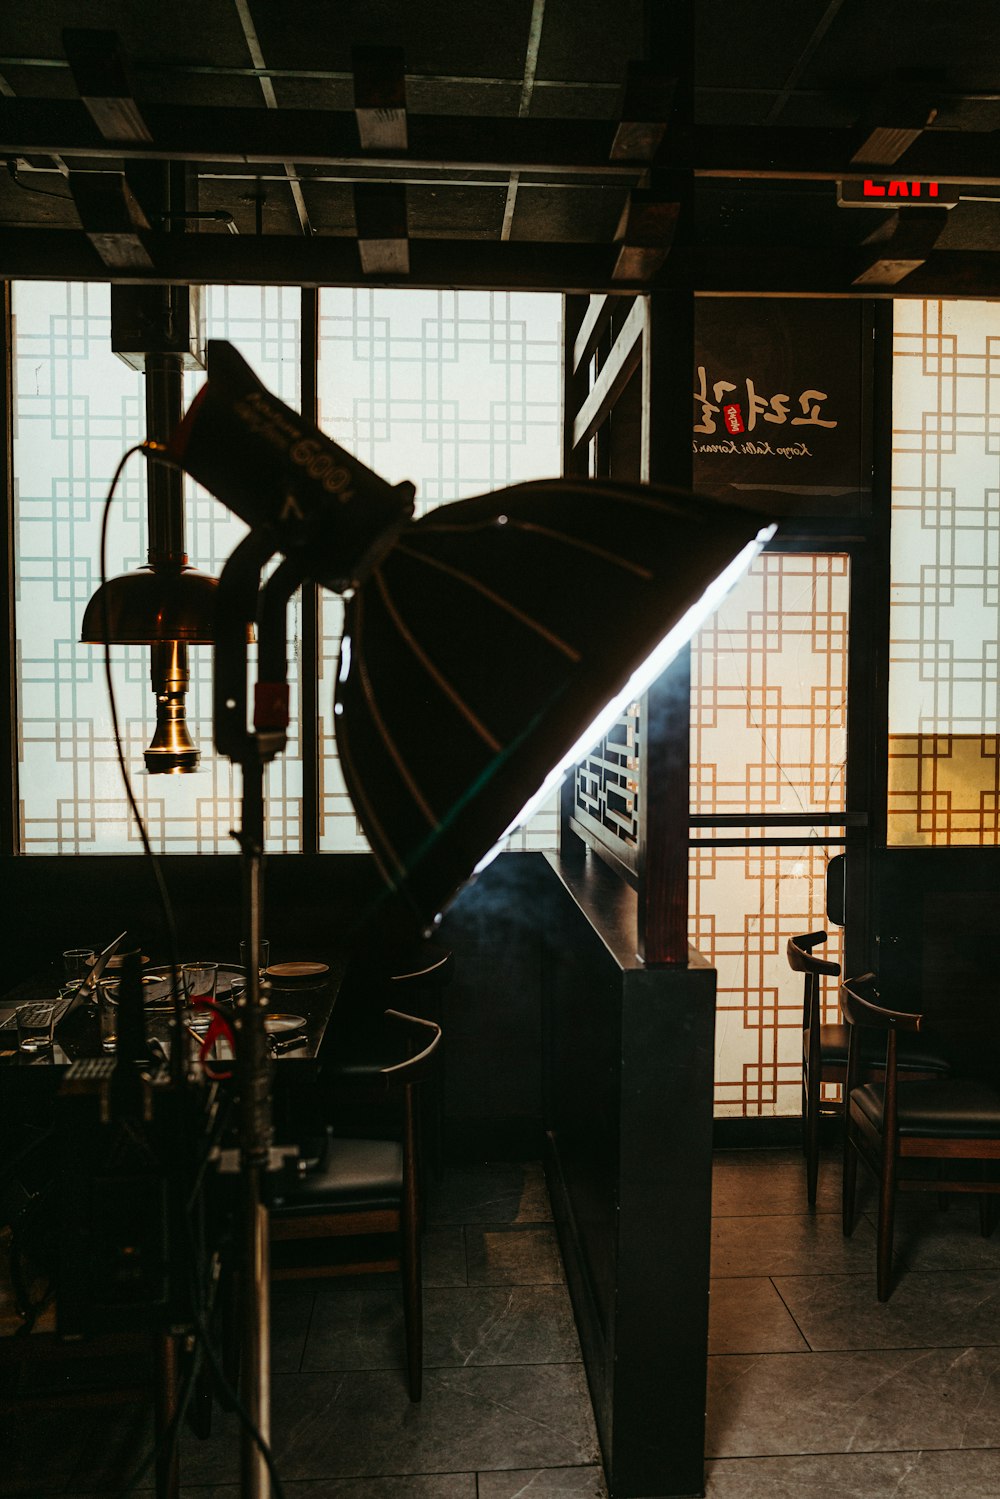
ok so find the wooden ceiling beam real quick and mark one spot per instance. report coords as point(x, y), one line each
point(326, 260)
point(99, 71)
point(576, 148)
point(777, 153)
point(380, 98)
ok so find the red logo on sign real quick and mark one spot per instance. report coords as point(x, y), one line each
point(733, 418)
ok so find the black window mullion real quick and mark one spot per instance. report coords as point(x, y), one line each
point(9, 795)
point(309, 677)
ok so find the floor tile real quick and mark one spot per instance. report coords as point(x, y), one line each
point(352, 1425)
point(746, 1315)
point(927, 1237)
point(358, 1324)
point(422, 1486)
point(499, 1325)
point(444, 1261)
point(504, 1255)
point(544, 1483)
point(876, 1475)
point(940, 1309)
point(749, 1182)
point(501, 1192)
point(291, 1313)
point(852, 1402)
point(791, 1245)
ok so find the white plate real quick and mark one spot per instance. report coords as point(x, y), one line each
point(277, 1023)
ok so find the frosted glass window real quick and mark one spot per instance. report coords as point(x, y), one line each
point(77, 408)
point(458, 392)
point(944, 686)
point(768, 735)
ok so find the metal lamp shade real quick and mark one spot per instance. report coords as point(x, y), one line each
point(165, 602)
point(492, 635)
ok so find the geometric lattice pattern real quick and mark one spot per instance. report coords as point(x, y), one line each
point(458, 392)
point(77, 408)
point(768, 734)
point(944, 684)
point(769, 691)
point(944, 789)
point(606, 799)
point(744, 905)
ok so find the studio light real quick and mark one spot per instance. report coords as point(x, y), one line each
point(487, 645)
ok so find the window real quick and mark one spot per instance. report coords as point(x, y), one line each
point(944, 688)
point(457, 391)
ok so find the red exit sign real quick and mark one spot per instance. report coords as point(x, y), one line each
point(896, 192)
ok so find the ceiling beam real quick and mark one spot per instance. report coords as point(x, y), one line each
point(32, 127)
point(574, 148)
point(380, 98)
point(290, 260)
point(777, 153)
point(98, 66)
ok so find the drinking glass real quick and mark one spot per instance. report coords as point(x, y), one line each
point(35, 1026)
point(263, 954)
point(76, 964)
point(200, 980)
point(107, 1002)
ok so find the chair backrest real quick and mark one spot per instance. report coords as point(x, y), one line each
point(836, 889)
point(413, 1068)
point(801, 959)
point(857, 1002)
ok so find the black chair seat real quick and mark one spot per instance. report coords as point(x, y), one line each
point(356, 1176)
point(954, 1108)
point(913, 1054)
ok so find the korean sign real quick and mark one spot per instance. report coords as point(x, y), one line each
point(777, 403)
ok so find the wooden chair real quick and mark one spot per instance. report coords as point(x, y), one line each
point(825, 1052)
point(897, 1120)
point(365, 1187)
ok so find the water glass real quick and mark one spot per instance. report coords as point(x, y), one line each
point(200, 980)
point(263, 954)
point(107, 1009)
point(76, 964)
point(35, 1026)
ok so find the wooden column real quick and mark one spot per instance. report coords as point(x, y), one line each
point(668, 360)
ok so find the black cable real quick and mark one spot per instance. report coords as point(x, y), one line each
point(246, 1421)
point(170, 926)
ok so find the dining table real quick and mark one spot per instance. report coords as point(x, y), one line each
point(299, 1011)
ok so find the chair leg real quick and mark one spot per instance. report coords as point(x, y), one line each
point(886, 1222)
point(811, 1122)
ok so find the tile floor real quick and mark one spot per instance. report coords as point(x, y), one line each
point(813, 1387)
point(505, 1410)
